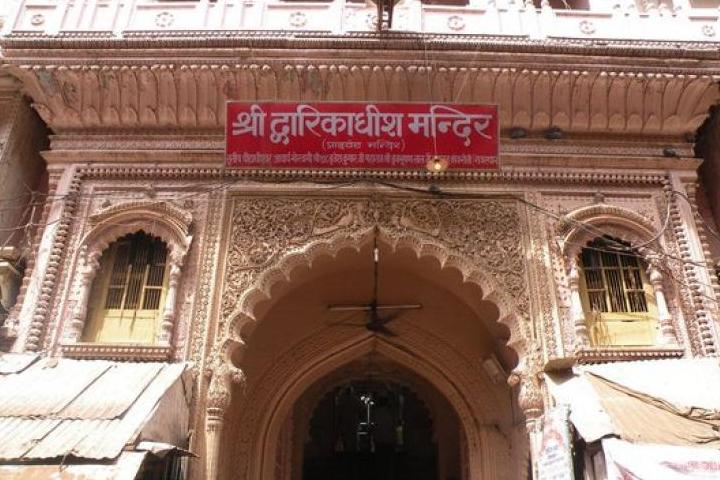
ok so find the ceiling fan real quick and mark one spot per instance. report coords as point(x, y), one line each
point(375, 322)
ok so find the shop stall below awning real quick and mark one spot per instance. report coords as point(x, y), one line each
point(665, 411)
point(76, 419)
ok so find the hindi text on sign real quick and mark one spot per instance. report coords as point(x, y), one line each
point(360, 135)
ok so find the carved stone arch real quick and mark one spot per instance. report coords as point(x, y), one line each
point(485, 240)
point(256, 432)
point(588, 223)
point(158, 218)
point(301, 415)
point(243, 320)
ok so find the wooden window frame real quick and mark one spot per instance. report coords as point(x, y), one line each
point(606, 328)
point(97, 328)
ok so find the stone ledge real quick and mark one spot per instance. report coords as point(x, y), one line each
point(117, 351)
point(618, 354)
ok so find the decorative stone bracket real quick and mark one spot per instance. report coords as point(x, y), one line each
point(222, 375)
point(132, 96)
point(530, 398)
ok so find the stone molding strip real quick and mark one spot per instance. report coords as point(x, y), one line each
point(117, 352)
point(356, 41)
point(507, 176)
point(600, 355)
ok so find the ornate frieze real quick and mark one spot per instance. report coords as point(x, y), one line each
point(134, 96)
point(483, 238)
point(619, 354)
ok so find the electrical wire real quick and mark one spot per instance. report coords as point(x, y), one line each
point(216, 186)
point(433, 191)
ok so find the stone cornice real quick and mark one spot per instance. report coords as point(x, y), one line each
point(118, 352)
point(280, 39)
point(564, 176)
point(191, 96)
point(619, 354)
point(530, 159)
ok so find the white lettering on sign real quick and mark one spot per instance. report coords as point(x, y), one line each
point(441, 119)
point(251, 122)
point(371, 123)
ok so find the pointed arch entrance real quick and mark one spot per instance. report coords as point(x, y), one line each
point(438, 352)
point(368, 420)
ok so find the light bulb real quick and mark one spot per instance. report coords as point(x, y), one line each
point(437, 164)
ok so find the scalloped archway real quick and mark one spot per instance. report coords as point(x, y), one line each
point(482, 239)
point(158, 218)
point(587, 223)
point(291, 348)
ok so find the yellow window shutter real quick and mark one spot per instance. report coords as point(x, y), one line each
point(130, 293)
point(617, 298)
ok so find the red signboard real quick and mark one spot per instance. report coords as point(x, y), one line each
point(361, 135)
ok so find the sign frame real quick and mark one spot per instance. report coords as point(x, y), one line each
point(497, 158)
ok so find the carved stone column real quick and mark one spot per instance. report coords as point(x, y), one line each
point(88, 272)
point(577, 314)
point(530, 401)
point(222, 376)
point(168, 315)
point(667, 329)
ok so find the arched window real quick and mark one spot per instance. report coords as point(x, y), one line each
point(128, 295)
point(617, 297)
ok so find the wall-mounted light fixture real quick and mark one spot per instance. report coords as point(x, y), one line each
point(518, 132)
point(554, 133)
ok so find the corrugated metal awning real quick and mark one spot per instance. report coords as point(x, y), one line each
point(659, 402)
point(89, 409)
point(126, 468)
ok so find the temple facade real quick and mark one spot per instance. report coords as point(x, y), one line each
point(302, 323)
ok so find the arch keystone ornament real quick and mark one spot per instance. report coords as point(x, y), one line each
point(155, 217)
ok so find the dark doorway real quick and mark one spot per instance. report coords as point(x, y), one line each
point(370, 430)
